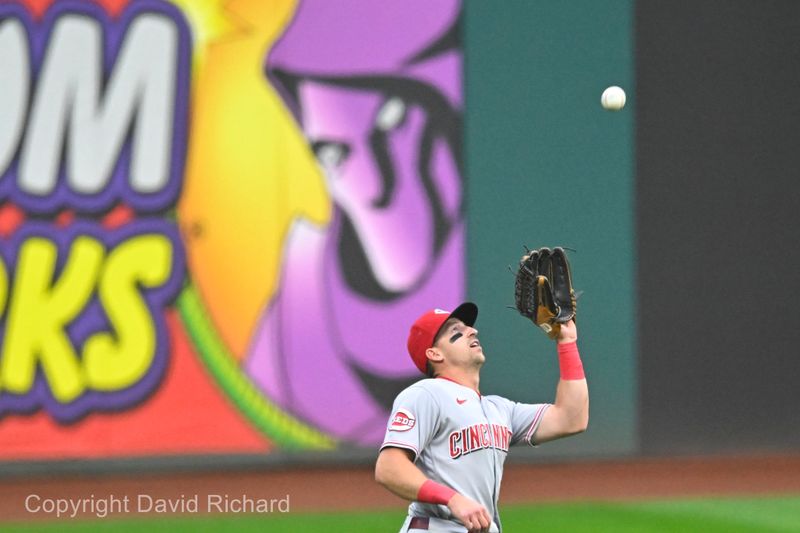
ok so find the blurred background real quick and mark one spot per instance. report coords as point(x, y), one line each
point(218, 219)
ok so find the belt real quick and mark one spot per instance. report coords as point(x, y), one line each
point(419, 522)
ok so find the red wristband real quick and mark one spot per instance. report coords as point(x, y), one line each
point(432, 492)
point(569, 361)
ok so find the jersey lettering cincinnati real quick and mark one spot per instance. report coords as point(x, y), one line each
point(479, 437)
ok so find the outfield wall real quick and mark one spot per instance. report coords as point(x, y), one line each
point(221, 271)
point(717, 196)
point(547, 165)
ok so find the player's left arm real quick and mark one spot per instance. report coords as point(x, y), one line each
point(570, 412)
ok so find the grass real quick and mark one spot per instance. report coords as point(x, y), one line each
point(751, 515)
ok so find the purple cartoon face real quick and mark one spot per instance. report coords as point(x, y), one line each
point(398, 191)
point(330, 348)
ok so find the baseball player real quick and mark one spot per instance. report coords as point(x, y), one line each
point(446, 443)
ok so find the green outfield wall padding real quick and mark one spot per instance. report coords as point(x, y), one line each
point(547, 165)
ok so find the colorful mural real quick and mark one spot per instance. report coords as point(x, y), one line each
point(377, 93)
point(217, 219)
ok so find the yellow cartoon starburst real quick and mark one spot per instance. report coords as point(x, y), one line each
point(249, 171)
point(208, 22)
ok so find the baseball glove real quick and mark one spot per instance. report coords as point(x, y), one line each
point(543, 289)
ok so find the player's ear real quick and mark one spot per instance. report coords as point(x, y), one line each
point(434, 355)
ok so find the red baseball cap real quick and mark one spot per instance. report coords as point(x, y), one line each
point(424, 330)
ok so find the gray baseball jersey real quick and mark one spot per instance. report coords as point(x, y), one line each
point(460, 439)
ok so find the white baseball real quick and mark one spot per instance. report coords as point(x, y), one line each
point(613, 98)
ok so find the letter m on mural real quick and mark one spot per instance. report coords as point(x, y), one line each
point(217, 219)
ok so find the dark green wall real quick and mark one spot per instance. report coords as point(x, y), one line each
point(719, 210)
point(547, 165)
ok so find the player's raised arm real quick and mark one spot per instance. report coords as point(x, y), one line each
point(543, 293)
point(569, 414)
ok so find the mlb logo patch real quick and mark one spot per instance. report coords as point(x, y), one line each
point(403, 420)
